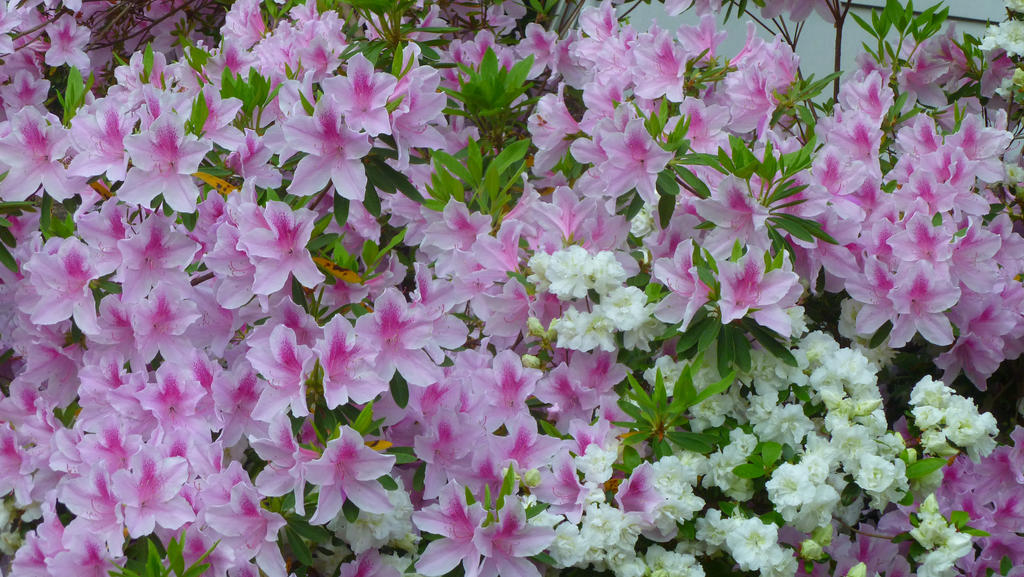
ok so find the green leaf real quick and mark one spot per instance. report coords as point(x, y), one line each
point(314, 533)
point(1005, 565)
point(298, 546)
point(147, 63)
point(880, 335)
point(196, 570)
point(924, 467)
point(386, 178)
point(200, 112)
point(174, 555)
point(388, 483)
point(153, 558)
point(508, 485)
point(371, 202)
point(748, 471)
point(693, 184)
point(696, 442)
point(399, 390)
point(666, 207)
point(364, 419)
point(959, 518)
point(7, 259)
point(770, 341)
point(350, 511)
point(341, 205)
point(770, 452)
point(510, 155)
point(975, 532)
point(715, 388)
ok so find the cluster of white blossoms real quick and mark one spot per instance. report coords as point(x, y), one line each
point(605, 539)
point(606, 536)
point(752, 543)
point(722, 462)
point(948, 421)
point(825, 418)
point(374, 530)
point(944, 543)
point(571, 274)
point(1008, 35)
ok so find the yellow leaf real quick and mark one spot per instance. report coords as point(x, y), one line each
point(379, 445)
point(349, 276)
point(219, 184)
point(101, 188)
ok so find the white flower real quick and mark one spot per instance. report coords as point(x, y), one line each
point(567, 549)
point(583, 331)
point(643, 223)
point(672, 563)
point(604, 273)
point(596, 463)
point(374, 530)
point(625, 307)
point(566, 273)
point(751, 542)
point(1008, 35)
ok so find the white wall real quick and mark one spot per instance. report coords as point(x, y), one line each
point(816, 46)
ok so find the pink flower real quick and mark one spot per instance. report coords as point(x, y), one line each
point(245, 521)
point(637, 493)
point(287, 461)
point(98, 132)
point(333, 152)
point(61, 274)
point(551, 125)
point(86, 554)
point(634, 160)
point(920, 297)
point(561, 488)
point(96, 506)
point(399, 334)
point(67, 43)
point(348, 470)
point(285, 365)
point(456, 522)
point(368, 564)
point(31, 154)
point(362, 95)
point(661, 66)
point(160, 320)
point(163, 160)
point(737, 216)
point(689, 293)
point(348, 365)
point(506, 543)
point(175, 401)
point(279, 249)
point(507, 386)
point(747, 287)
point(150, 491)
point(155, 253)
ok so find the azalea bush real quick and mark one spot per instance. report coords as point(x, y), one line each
point(385, 287)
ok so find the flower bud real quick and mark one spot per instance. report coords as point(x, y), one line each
point(858, 570)
point(823, 535)
point(531, 478)
point(536, 328)
point(531, 362)
point(811, 550)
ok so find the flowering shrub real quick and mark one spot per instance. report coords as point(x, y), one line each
point(381, 287)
